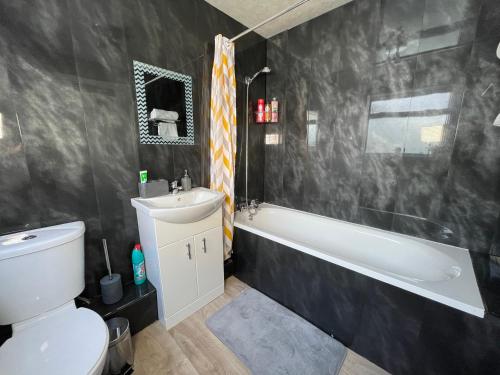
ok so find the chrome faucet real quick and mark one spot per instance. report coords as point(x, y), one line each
point(254, 203)
point(251, 208)
point(175, 188)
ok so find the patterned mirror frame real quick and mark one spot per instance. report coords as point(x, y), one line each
point(142, 113)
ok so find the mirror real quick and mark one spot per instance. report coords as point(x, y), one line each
point(164, 105)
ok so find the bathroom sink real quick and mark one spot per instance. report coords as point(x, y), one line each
point(183, 207)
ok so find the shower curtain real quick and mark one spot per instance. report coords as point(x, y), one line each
point(223, 132)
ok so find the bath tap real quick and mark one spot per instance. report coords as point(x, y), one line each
point(254, 203)
point(252, 208)
point(242, 207)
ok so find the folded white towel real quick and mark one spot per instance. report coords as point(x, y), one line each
point(162, 115)
point(497, 121)
point(167, 130)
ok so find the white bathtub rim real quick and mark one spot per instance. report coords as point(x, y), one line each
point(474, 307)
point(466, 307)
point(386, 232)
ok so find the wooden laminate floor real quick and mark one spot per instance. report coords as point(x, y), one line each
point(190, 347)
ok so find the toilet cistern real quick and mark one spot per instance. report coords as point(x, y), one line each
point(41, 272)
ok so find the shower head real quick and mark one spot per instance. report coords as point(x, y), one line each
point(264, 70)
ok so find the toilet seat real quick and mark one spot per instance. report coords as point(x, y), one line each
point(74, 341)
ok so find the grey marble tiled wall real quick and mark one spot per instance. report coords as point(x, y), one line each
point(249, 61)
point(68, 138)
point(387, 109)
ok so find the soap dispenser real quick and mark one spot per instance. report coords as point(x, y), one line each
point(186, 181)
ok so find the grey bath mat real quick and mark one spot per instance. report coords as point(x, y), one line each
point(270, 339)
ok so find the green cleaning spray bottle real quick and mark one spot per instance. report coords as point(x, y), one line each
point(138, 265)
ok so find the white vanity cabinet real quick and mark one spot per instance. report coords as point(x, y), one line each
point(184, 262)
point(209, 257)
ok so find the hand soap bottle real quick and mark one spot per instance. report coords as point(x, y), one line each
point(138, 265)
point(186, 181)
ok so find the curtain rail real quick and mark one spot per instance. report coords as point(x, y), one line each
point(279, 14)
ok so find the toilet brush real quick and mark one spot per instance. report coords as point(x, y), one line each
point(111, 284)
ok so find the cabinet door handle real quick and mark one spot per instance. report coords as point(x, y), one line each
point(204, 245)
point(189, 250)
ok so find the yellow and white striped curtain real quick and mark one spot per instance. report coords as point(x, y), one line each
point(223, 132)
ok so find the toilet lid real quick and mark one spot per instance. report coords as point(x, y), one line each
point(72, 342)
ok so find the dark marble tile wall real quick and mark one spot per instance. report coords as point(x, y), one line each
point(252, 59)
point(68, 131)
point(387, 109)
point(398, 330)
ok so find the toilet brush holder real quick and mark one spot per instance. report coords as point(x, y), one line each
point(111, 284)
point(111, 288)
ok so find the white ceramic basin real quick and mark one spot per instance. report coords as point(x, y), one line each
point(183, 207)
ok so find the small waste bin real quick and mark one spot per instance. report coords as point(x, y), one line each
point(120, 351)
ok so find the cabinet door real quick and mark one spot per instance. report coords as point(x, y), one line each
point(178, 275)
point(209, 259)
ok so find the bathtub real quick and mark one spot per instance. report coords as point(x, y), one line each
point(433, 270)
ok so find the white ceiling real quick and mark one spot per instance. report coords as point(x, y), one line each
point(251, 12)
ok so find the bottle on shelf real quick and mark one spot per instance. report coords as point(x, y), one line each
point(274, 110)
point(260, 115)
point(267, 112)
point(138, 265)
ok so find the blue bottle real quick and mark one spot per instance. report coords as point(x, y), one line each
point(138, 265)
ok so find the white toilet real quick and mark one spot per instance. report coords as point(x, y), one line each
point(41, 272)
